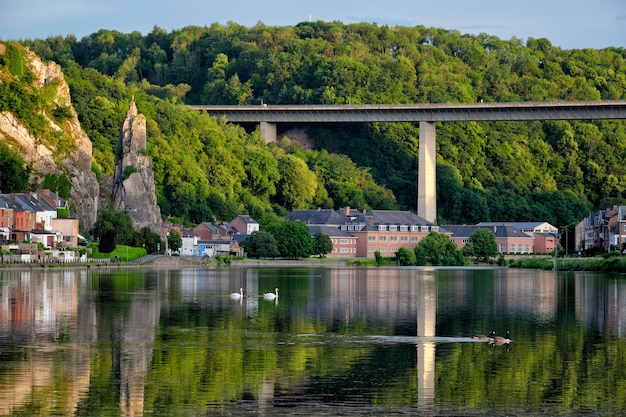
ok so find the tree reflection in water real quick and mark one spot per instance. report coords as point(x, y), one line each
point(352, 341)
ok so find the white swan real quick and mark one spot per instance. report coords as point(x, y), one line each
point(271, 295)
point(237, 295)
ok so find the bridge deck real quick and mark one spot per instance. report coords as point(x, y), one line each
point(480, 112)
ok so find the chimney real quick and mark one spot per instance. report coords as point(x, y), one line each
point(347, 210)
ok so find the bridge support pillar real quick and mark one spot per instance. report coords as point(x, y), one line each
point(427, 172)
point(268, 131)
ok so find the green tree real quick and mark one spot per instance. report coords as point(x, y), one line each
point(322, 244)
point(108, 241)
point(174, 240)
point(148, 239)
point(109, 219)
point(14, 174)
point(421, 259)
point(293, 239)
point(481, 245)
point(438, 247)
point(406, 256)
point(297, 185)
point(261, 244)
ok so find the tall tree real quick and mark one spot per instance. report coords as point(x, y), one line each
point(261, 244)
point(481, 245)
point(293, 239)
point(174, 240)
point(322, 244)
point(14, 173)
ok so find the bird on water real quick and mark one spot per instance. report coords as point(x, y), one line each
point(499, 340)
point(271, 295)
point(484, 337)
point(237, 295)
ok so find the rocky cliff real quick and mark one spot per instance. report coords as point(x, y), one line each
point(133, 182)
point(44, 156)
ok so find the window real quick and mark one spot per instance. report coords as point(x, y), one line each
point(415, 228)
point(527, 248)
point(393, 228)
point(404, 228)
point(404, 238)
point(371, 238)
point(382, 228)
point(415, 239)
point(343, 250)
point(343, 241)
point(382, 238)
point(393, 238)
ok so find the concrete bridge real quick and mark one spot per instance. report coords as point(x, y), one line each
point(424, 114)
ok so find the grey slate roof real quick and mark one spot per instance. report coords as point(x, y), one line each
point(329, 231)
point(317, 216)
point(210, 226)
point(519, 225)
point(501, 231)
point(247, 219)
point(395, 217)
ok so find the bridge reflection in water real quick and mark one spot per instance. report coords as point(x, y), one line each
point(55, 318)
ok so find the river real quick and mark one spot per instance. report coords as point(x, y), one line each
point(337, 341)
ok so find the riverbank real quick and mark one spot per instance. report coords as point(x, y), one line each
point(611, 265)
point(175, 262)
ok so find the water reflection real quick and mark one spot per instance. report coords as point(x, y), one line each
point(354, 341)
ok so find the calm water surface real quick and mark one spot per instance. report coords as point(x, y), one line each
point(339, 341)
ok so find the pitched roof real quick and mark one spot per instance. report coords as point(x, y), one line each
point(208, 225)
point(247, 219)
point(459, 231)
point(318, 217)
point(519, 225)
point(395, 217)
point(499, 230)
point(329, 231)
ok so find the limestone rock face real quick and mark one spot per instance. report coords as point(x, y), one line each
point(76, 164)
point(133, 182)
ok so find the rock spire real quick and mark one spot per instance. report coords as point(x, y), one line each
point(133, 181)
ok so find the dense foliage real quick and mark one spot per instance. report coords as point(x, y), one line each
point(481, 245)
point(114, 227)
point(438, 249)
point(554, 171)
point(14, 172)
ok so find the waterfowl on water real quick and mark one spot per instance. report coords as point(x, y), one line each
point(271, 295)
point(499, 340)
point(483, 337)
point(237, 295)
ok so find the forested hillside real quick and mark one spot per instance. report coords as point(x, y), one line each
point(553, 171)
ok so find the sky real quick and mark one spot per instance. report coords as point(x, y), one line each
point(569, 24)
